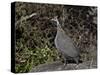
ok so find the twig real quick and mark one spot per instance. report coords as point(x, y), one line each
point(91, 63)
point(25, 18)
point(63, 19)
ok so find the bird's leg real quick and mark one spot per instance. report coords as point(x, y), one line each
point(77, 62)
point(61, 56)
point(65, 61)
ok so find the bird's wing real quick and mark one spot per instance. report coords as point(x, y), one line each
point(65, 44)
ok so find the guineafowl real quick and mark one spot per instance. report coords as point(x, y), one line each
point(64, 44)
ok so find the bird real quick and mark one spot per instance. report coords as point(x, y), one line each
point(64, 44)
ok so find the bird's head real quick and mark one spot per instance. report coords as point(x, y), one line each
point(55, 21)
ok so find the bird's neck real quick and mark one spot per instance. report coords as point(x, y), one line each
point(59, 28)
point(58, 25)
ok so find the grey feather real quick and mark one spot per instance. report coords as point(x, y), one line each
point(64, 43)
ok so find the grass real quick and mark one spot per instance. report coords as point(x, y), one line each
point(34, 57)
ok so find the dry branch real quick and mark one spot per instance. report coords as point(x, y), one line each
point(25, 18)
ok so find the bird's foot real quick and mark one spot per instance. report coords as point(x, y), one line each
point(76, 67)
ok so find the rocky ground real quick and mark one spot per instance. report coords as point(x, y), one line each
point(59, 66)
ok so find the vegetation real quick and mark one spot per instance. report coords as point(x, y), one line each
point(35, 36)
